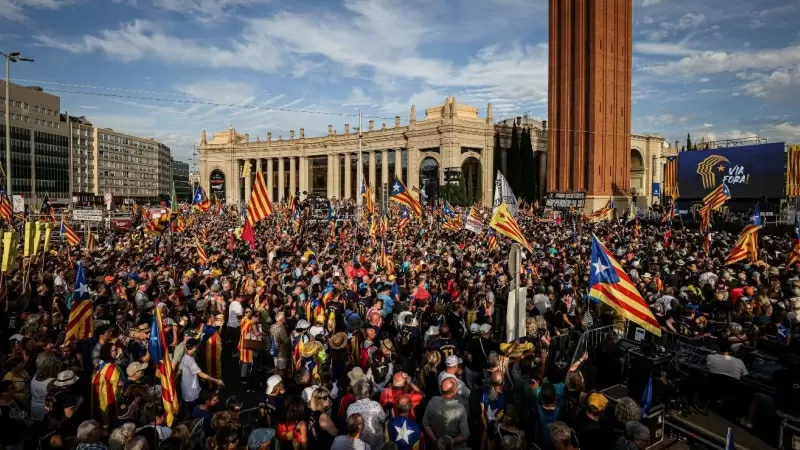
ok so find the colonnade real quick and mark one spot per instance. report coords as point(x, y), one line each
point(296, 173)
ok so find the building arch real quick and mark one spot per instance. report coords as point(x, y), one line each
point(217, 182)
point(637, 165)
point(472, 172)
point(429, 176)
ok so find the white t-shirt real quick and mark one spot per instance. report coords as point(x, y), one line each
point(726, 365)
point(190, 382)
point(235, 312)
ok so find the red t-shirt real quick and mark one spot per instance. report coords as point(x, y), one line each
point(391, 395)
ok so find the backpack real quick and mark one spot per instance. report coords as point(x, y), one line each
point(273, 347)
point(542, 429)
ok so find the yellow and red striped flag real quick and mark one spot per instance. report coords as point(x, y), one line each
point(793, 171)
point(6, 211)
point(89, 240)
point(71, 236)
point(213, 356)
point(159, 357)
point(106, 391)
point(81, 313)
point(259, 206)
point(503, 222)
point(492, 240)
point(202, 257)
point(203, 234)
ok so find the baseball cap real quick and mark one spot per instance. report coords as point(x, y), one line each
point(134, 368)
point(452, 361)
point(272, 382)
point(597, 402)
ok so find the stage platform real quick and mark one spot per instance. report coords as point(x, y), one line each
point(713, 428)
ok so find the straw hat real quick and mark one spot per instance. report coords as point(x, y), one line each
point(355, 374)
point(338, 341)
point(310, 349)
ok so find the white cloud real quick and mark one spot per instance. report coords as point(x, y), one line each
point(144, 39)
point(205, 10)
point(756, 24)
point(663, 48)
point(228, 92)
point(666, 119)
point(647, 20)
point(357, 98)
point(687, 21)
point(421, 100)
point(787, 131)
point(709, 62)
point(14, 10)
point(707, 125)
point(780, 85)
point(646, 3)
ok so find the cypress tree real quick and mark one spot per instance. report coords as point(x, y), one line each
point(513, 161)
point(497, 157)
point(688, 142)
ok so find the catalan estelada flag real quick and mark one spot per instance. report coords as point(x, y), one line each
point(492, 240)
point(81, 314)
point(746, 247)
point(106, 391)
point(157, 227)
point(503, 222)
point(707, 242)
point(200, 199)
point(794, 254)
point(159, 358)
point(671, 213)
point(178, 224)
point(71, 236)
point(401, 195)
point(6, 210)
point(609, 284)
point(404, 218)
point(717, 197)
point(212, 351)
point(386, 261)
point(259, 206)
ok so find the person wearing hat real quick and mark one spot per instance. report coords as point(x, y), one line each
point(261, 439)
point(273, 401)
point(477, 353)
point(337, 349)
point(309, 359)
point(591, 427)
point(451, 370)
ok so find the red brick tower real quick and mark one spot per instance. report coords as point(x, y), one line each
point(589, 102)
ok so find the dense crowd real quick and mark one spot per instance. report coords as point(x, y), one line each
point(344, 338)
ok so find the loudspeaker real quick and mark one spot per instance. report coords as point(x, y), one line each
point(643, 362)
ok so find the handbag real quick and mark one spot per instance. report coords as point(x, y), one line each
point(252, 342)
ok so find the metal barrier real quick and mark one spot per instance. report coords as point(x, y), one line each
point(248, 416)
point(591, 339)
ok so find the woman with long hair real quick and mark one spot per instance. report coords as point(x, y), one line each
point(320, 425)
point(292, 430)
point(428, 374)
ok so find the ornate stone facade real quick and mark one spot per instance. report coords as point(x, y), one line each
point(419, 153)
point(448, 137)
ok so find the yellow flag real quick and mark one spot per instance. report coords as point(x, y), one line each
point(503, 222)
point(27, 247)
point(48, 230)
point(37, 236)
point(9, 250)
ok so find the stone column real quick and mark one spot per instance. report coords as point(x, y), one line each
point(413, 169)
point(281, 180)
point(385, 167)
point(303, 174)
point(270, 178)
point(372, 170)
point(398, 165)
point(329, 177)
point(248, 181)
point(292, 175)
point(347, 176)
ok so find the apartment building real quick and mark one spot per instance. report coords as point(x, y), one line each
point(39, 144)
point(180, 177)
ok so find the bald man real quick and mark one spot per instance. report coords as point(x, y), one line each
point(445, 416)
point(402, 386)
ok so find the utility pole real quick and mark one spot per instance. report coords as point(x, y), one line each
point(360, 168)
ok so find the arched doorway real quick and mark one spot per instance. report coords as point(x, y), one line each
point(471, 171)
point(429, 180)
point(637, 174)
point(216, 188)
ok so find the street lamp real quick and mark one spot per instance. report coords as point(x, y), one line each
point(10, 58)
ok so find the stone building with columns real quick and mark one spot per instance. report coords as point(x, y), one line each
point(448, 138)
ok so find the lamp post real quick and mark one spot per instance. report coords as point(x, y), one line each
point(11, 57)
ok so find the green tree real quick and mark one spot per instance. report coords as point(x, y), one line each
point(513, 161)
point(689, 141)
point(497, 157)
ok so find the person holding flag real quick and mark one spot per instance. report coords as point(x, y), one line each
point(160, 359)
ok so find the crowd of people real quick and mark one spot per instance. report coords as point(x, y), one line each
point(328, 336)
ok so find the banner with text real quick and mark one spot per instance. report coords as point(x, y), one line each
point(563, 201)
point(750, 171)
